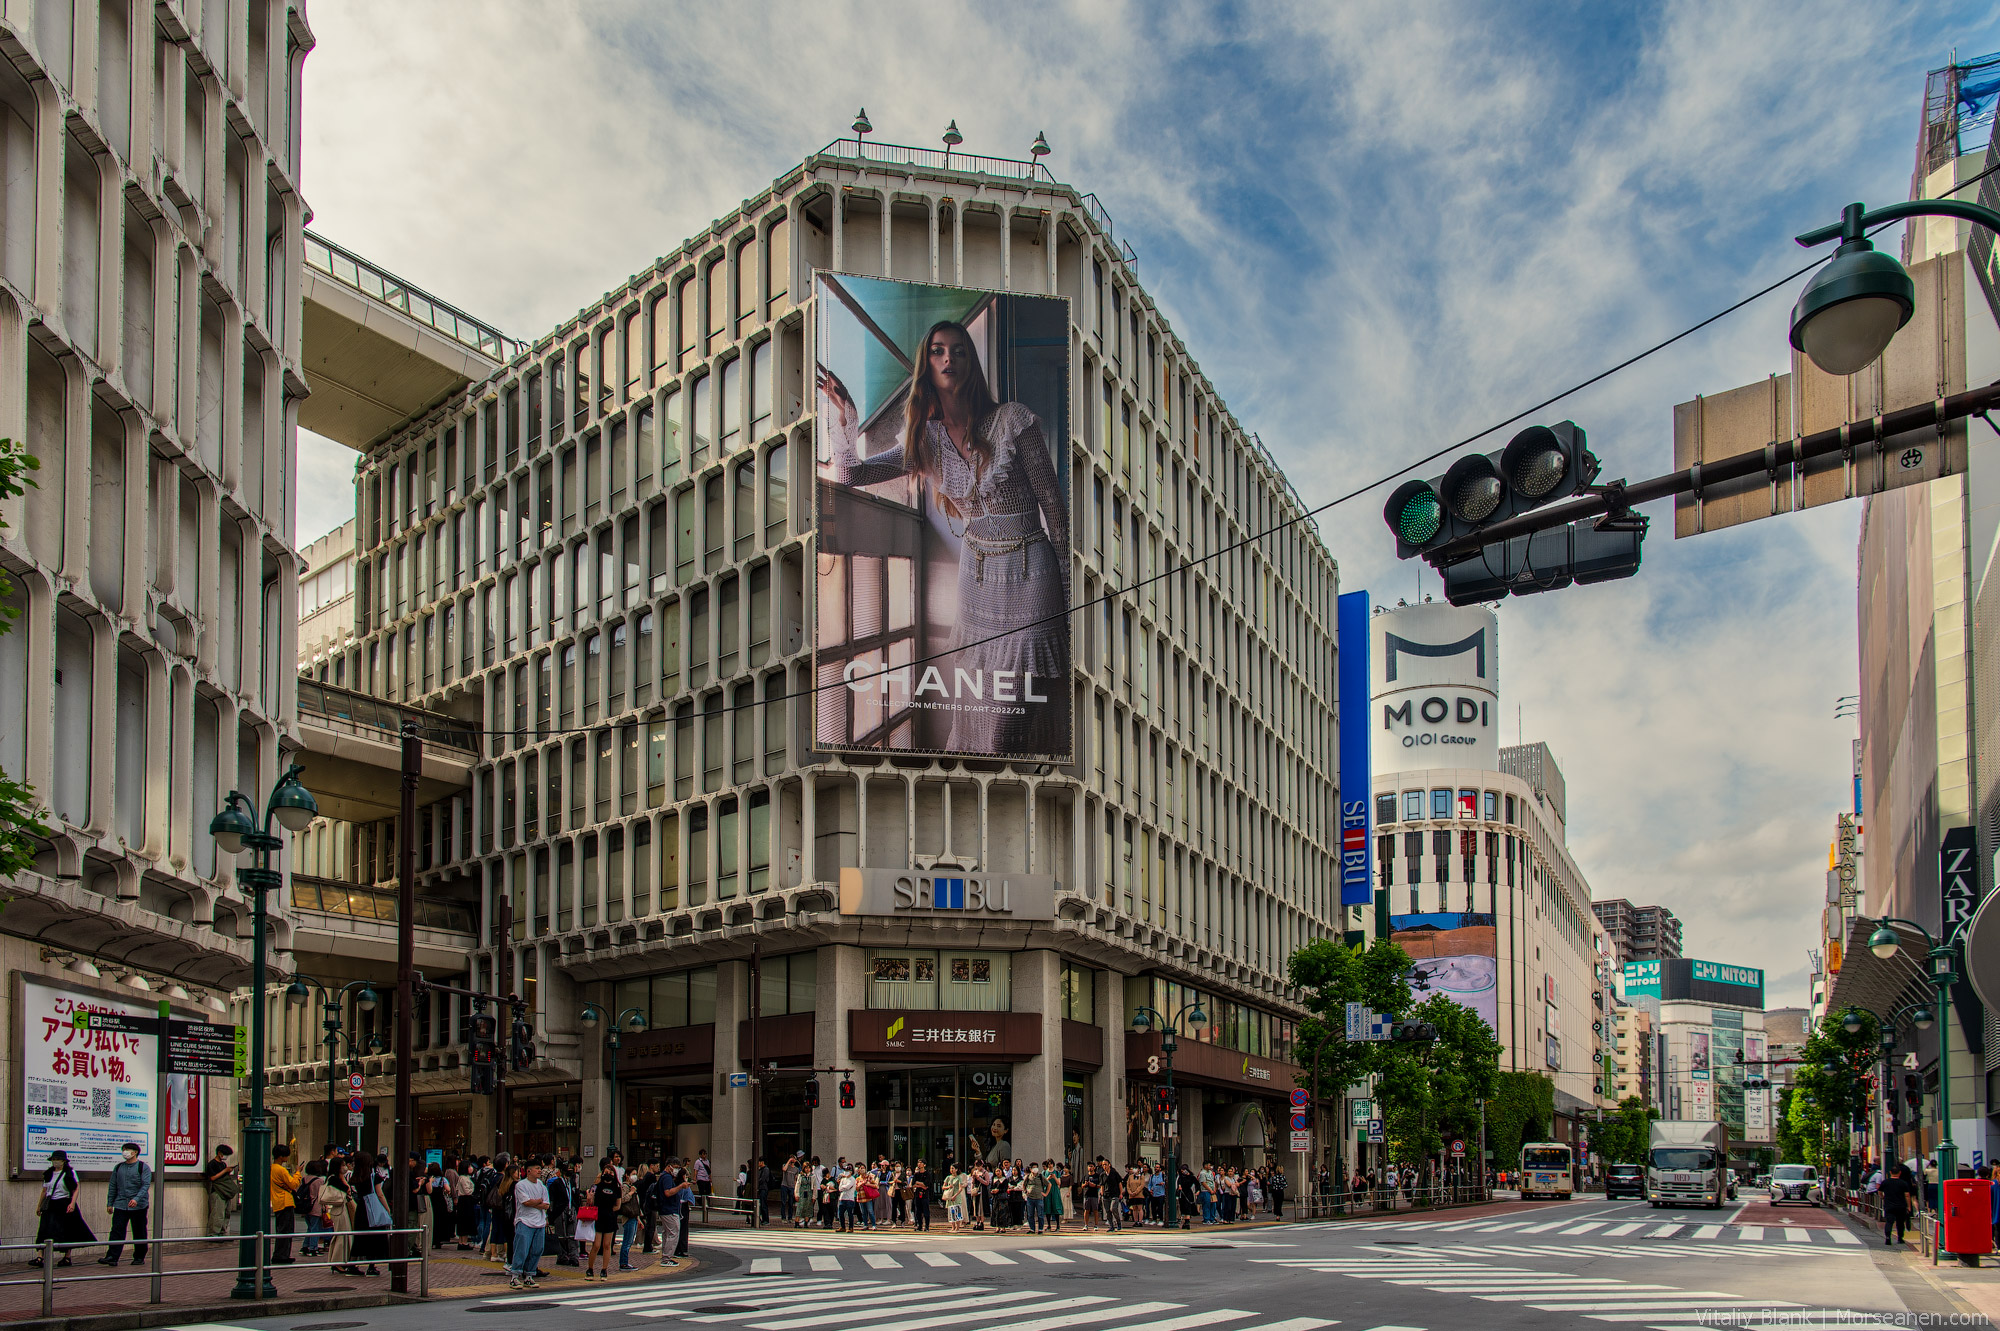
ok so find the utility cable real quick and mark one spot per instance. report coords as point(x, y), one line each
point(1186, 564)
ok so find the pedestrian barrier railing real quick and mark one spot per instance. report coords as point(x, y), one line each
point(49, 1252)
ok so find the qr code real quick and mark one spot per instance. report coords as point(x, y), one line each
point(100, 1102)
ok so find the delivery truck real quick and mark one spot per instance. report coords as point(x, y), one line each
point(1687, 1164)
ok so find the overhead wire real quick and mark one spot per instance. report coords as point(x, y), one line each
point(1117, 593)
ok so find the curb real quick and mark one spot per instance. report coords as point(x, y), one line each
point(1907, 1277)
point(201, 1313)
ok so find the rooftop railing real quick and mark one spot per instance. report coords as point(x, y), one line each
point(377, 283)
point(331, 705)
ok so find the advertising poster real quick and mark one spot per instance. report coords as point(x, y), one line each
point(1701, 1100)
point(89, 1092)
point(942, 514)
point(1456, 955)
point(1698, 1051)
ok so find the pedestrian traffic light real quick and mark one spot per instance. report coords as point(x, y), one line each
point(1163, 1101)
point(1913, 1092)
point(522, 1051)
point(1538, 466)
point(485, 1053)
point(846, 1094)
point(812, 1094)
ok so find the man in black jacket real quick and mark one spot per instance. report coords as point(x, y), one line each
point(1898, 1194)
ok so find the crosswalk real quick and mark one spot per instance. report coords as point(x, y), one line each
point(808, 1303)
point(827, 1262)
point(1598, 1298)
point(1573, 1227)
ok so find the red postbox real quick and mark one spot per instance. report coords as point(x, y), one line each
point(1968, 1217)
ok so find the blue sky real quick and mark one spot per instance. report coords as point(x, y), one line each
point(1377, 226)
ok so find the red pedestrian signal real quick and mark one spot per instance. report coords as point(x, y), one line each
point(812, 1094)
point(1163, 1101)
point(846, 1094)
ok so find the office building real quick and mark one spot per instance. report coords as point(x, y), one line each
point(150, 358)
point(1472, 874)
point(597, 551)
point(1639, 933)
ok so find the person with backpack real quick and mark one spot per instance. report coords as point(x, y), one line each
point(500, 1212)
point(1899, 1194)
point(465, 1202)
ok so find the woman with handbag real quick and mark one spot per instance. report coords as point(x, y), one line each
point(336, 1211)
point(375, 1219)
point(62, 1221)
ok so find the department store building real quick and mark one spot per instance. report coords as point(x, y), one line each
point(599, 553)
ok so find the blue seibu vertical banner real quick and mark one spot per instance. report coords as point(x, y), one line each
point(1357, 781)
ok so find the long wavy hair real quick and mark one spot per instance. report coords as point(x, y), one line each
point(925, 407)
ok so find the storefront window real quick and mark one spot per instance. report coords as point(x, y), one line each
point(546, 1124)
point(791, 984)
point(664, 1121)
point(929, 980)
point(1079, 993)
point(685, 998)
point(945, 1116)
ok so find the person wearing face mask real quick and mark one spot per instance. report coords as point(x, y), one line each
point(128, 1197)
point(62, 1221)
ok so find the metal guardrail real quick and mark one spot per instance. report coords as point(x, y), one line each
point(377, 283)
point(367, 903)
point(329, 704)
point(158, 1273)
point(899, 154)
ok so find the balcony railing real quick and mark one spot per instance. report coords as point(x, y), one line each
point(331, 705)
point(377, 283)
point(367, 903)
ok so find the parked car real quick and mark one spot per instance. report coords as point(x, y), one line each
point(1625, 1181)
point(1795, 1183)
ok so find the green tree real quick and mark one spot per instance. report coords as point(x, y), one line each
point(1625, 1137)
point(1521, 1110)
point(1332, 976)
point(1791, 1151)
point(1428, 1090)
point(21, 826)
point(1828, 1088)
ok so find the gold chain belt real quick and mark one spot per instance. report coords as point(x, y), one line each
point(982, 548)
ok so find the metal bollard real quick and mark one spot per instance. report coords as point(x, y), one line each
point(48, 1278)
point(263, 1236)
point(424, 1272)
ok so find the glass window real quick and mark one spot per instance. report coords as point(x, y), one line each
point(1468, 804)
point(1440, 804)
point(925, 978)
point(1492, 805)
point(1413, 804)
point(1385, 808)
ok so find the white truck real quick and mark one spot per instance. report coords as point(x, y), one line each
point(1687, 1164)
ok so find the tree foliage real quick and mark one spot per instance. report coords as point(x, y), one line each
point(21, 826)
point(1523, 1109)
point(1830, 1088)
point(1624, 1138)
point(1332, 976)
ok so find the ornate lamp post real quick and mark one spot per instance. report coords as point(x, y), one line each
point(235, 830)
point(631, 1019)
point(1143, 1020)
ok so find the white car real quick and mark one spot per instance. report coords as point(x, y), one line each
point(1795, 1183)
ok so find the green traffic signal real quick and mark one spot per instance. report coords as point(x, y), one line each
point(1416, 514)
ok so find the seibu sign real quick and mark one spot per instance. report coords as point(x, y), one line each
point(1435, 688)
point(956, 894)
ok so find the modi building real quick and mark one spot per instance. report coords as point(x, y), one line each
point(752, 582)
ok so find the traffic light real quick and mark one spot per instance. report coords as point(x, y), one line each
point(1538, 466)
point(1413, 1032)
point(485, 1054)
point(1913, 1092)
point(812, 1093)
point(523, 1046)
point(846, 1093)
point(1163, 1101)
point(1580, 553)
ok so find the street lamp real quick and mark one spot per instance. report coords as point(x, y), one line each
point(631, 1019)
point(861, 129)
point(952, 138)
point(235, 830)
point(330, 1004)
point(1143, 1020)
point(1853, 306)
point(1885, 943)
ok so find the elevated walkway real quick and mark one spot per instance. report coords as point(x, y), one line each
point(354, 752)
point(378, 351)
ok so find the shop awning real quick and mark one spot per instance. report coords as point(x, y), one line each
point(1867, 981)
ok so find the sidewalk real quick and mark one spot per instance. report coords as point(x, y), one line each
point(87, 1298)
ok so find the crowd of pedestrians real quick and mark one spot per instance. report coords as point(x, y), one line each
point(1035, 1196)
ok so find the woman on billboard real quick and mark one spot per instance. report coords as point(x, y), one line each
point(988, 463)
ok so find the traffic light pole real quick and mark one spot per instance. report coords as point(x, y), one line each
point(1619, 496)
point(406, 970)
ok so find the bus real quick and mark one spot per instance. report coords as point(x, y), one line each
point(1545, 1170)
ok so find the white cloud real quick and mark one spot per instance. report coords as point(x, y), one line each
point(1377, 225)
